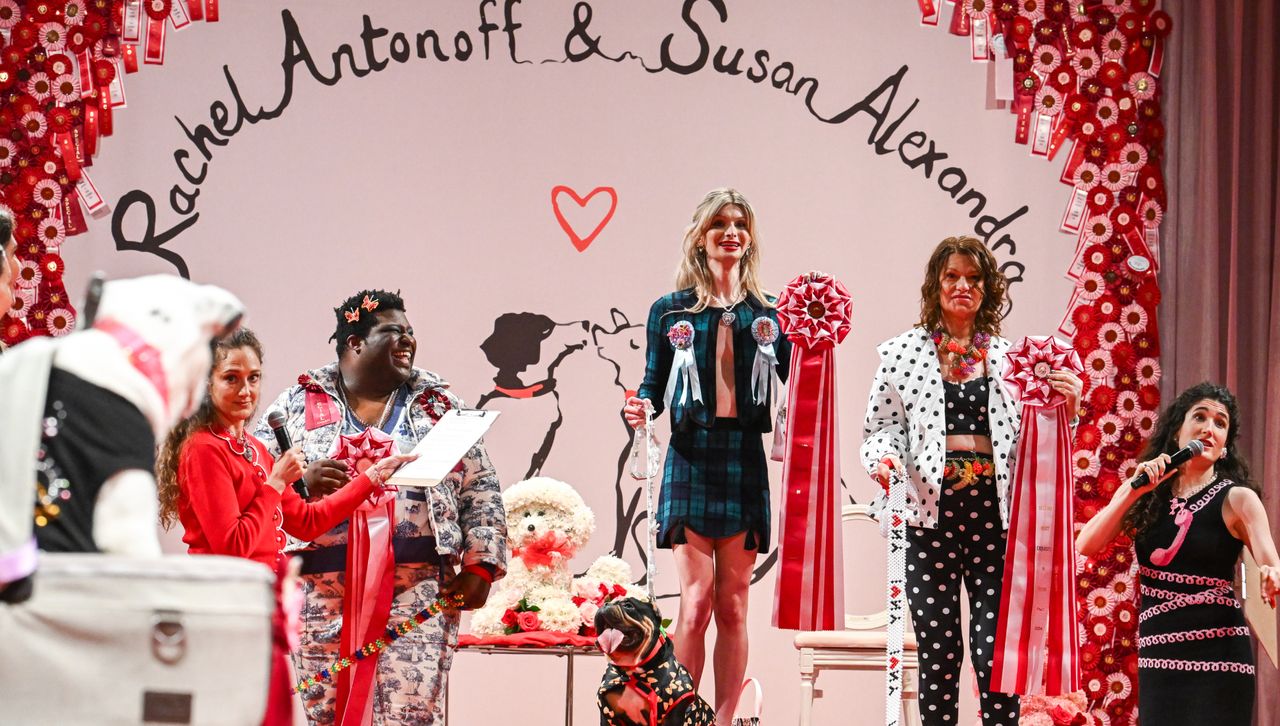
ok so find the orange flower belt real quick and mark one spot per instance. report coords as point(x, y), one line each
point(961, 472)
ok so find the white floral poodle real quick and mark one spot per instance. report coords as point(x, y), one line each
point(547, 523)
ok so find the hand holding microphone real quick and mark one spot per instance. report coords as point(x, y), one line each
point(1156, 468)
point(276, 421)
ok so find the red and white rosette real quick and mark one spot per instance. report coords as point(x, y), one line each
point(814, 312)
point(370, 575)
point(1036, 640)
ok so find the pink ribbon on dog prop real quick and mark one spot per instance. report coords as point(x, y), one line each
point(370, 576)
point(1036, 647)
point(814, 312)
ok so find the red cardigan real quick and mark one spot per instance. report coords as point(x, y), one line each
point(226, 507)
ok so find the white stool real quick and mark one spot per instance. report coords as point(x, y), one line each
point(859, 647)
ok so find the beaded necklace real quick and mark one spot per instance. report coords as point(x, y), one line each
point(964, 359)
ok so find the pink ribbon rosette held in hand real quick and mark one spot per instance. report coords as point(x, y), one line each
point(1036, 640)
point(814, 312)
point(370, 576)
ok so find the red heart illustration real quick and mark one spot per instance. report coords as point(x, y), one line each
point(580, 242)
point(893, 663)
point(897, 520)
point(896, 591)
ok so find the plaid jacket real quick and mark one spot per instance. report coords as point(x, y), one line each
point(672, 308)
point(467, 505)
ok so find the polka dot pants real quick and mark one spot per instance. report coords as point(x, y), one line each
point(967, 545)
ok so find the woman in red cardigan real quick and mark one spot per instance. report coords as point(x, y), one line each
point(233, 499)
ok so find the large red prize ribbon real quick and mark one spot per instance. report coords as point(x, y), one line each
point(1036, 640)
point(370, 576)
point(814, 312)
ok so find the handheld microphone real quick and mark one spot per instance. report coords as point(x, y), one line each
point(1181, 456)
point(276, 420)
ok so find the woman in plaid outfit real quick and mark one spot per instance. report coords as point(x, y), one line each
point(712, 348)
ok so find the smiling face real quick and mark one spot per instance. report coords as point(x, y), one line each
point(727, 236)
point(961, 288)
point(234, 385)
point(389, 348)
point(1210, 422)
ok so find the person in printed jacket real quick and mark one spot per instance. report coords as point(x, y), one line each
point(449, 540)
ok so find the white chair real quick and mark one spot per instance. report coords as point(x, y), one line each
point(859, 647)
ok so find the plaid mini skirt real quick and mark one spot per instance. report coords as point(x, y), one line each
point(715, 482)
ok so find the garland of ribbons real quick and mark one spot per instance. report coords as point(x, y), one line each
point(1085, 79)
point(373, 647)
point(814, 312)
point(1036, 649)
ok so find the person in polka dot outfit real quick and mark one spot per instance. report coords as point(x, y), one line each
point(938, 413)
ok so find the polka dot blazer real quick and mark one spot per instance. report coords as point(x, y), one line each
point(905, 417)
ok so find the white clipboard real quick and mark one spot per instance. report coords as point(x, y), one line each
point(443, 447)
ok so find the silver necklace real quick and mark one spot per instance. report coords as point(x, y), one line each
point(727, 317)
point(386, 408)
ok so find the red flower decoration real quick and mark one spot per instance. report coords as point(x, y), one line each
point(309, 384)
point(815, 310)
point(434, 402)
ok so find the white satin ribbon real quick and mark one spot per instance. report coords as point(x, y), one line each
point(683, 361)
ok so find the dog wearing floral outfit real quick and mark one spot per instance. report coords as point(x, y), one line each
point(644, 684)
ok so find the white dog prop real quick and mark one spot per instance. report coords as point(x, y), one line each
point(547, 523)
point(149, 349)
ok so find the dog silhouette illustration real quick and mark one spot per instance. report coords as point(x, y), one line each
point(525, 349)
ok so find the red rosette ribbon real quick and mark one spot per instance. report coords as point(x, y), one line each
point(370, 574)
point(1037, 650)
point(814, 313)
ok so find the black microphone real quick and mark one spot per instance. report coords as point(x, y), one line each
point(276, 420)
point(1181, 456)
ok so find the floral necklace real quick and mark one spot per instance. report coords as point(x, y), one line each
point(964, 359)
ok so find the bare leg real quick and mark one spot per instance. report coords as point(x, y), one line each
point(694, 566)
point(733, 580)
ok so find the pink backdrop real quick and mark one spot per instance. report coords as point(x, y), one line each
point(436, 178)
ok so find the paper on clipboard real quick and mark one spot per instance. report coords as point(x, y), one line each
point(443, 447)
point(1260, 615)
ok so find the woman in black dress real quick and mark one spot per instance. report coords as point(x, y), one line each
point(710, 347)
point(1195, 658)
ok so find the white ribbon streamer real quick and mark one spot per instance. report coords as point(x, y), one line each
point(683, 361)
point(763, 369)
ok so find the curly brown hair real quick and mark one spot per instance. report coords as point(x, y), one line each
point(1164, 440)
point(993, 285)
point(170, 455)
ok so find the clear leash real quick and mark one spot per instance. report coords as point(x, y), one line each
point(645, 470)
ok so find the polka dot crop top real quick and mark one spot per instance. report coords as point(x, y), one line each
point(967, 407)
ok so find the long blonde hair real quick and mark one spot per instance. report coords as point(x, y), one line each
point(693, 271)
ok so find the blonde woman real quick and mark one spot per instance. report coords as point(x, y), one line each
point(712, 348)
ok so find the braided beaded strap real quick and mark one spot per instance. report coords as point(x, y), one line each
point(372, 648)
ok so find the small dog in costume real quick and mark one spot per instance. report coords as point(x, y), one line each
point(644, 684)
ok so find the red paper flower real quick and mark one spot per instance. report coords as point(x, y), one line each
point(363, 450)
point(815, 310)
point(1029, 363)
point(60, 321)
point(434, 402)
point(309, 384)
point(157, 9)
